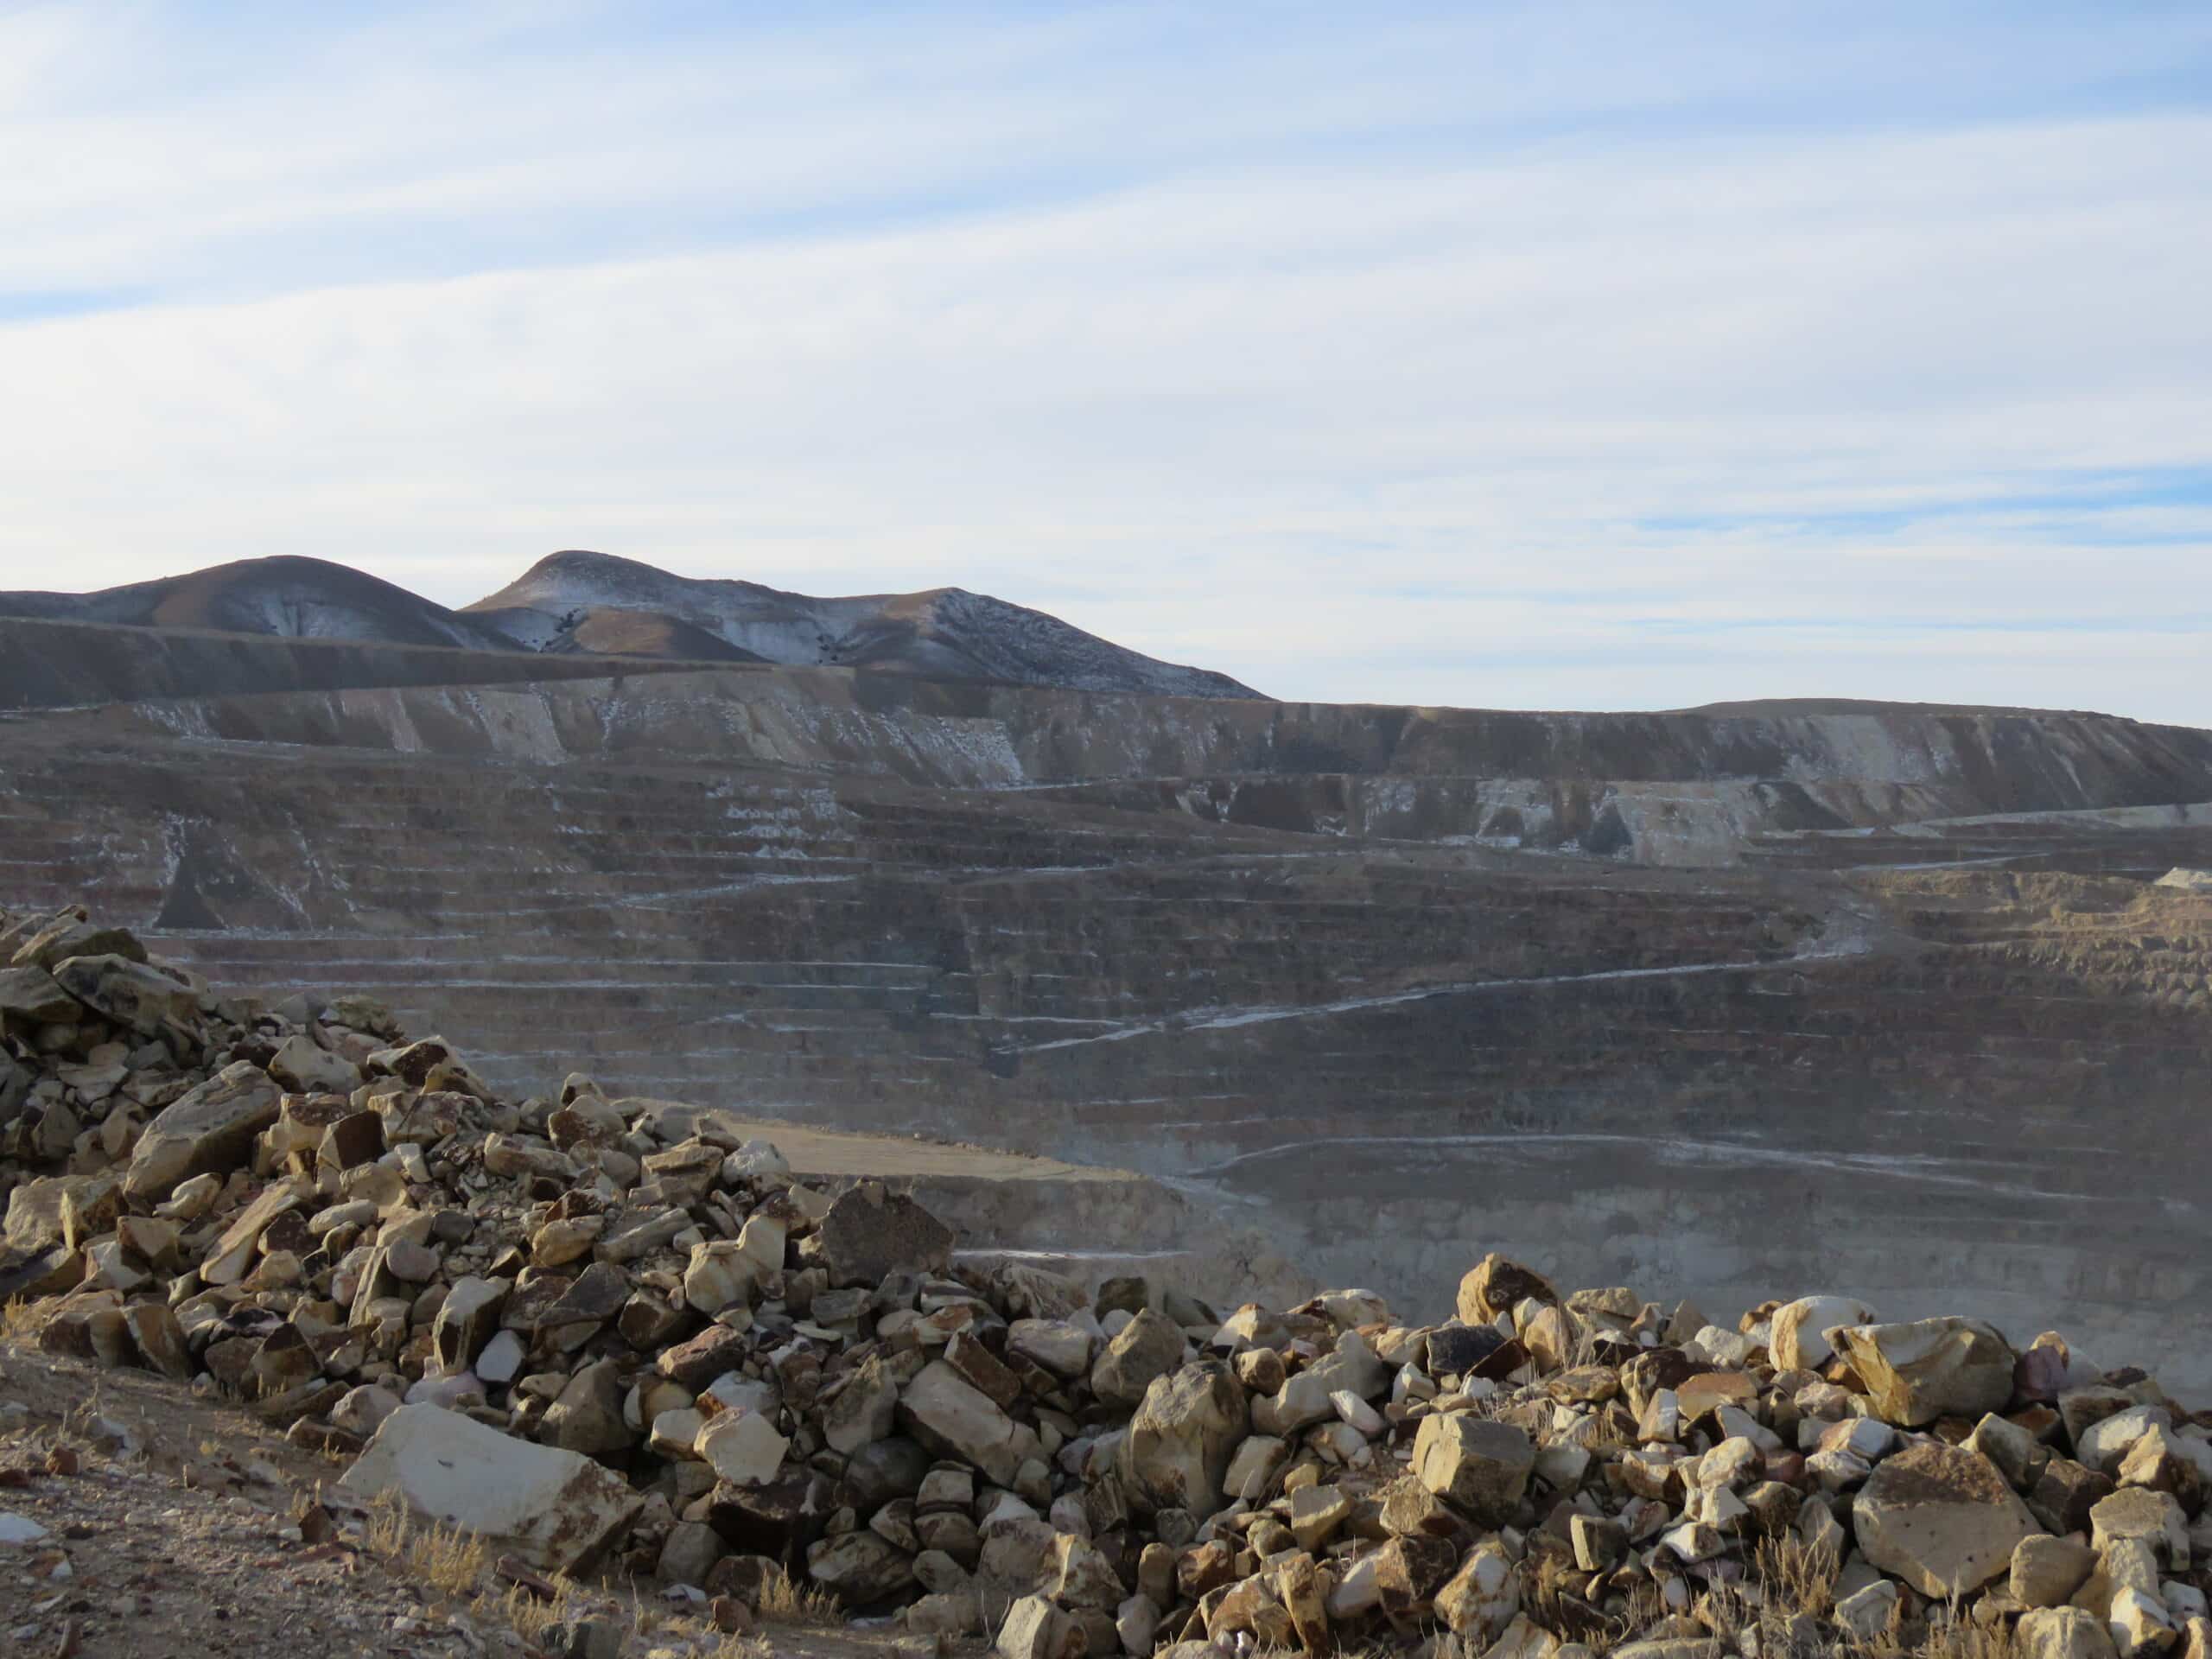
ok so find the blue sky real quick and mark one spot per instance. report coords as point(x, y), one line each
point(1549, 356)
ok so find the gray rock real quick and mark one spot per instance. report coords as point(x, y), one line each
point(207, 1131)
point(1180, 1442)
point(2137, 1512)
point(305, 1067)
point(864, 1410)
point(954, 1419)
point(147, 999)
point(870, 1232)
point(467, 1321)
point(1480, 1465)
point(859, 1567)
point(29, 997)
point(1035, 1629)
point(2046, 1571)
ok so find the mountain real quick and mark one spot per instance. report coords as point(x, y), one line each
point(582, 605)
point(294, 598)
point(943, 633)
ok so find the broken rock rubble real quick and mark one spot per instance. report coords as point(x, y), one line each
point(609, 1335)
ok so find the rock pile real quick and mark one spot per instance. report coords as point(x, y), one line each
point(606, 1335)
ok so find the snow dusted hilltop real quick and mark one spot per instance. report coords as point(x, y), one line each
point(595, 605)
point(293, 598)
point(946, 633)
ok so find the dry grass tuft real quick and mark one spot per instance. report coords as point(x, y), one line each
point(449, 1561)
point(523, 1613)
point(785, 1601)
point(1795, 1580)
point(1646, 1607)
point(20, 1320)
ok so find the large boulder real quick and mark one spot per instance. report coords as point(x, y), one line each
point(306, 1067)
point(29, 997)
point(1478, 1464)
point(1929, 1369)
point(1148, 1346)
point(147, 999)
point(954, 1419)
point(70, 935)
point(1494, 1285)
point(207, 1131)
point(1941, 1518)
point(859, 1567)
point(1180, 1441)
point(870, 1232)
point(557, 1510)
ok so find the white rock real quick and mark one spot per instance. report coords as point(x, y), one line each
point(19, 1529)
point(741, 1448)
point(1060, 1346)
point(1866, 1612)
point(1358, 1413)
point(1799, 1334)
point(557, 1510)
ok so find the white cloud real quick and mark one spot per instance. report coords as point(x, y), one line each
point(1545, 422)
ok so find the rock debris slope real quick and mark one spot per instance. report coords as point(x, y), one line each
point(602, 1340)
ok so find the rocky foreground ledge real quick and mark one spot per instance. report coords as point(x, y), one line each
point(610, 1339)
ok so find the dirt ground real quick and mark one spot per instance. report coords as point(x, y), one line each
point(164, 1526)
point(837, 1152)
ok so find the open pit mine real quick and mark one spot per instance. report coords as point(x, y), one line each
point(810, 1109)
point(1900, 1002)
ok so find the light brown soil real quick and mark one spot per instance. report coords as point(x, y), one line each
point(177, 1535)
point(832, 1151)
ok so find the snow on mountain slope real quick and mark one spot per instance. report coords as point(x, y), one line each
point(944, 632)
point(295, 597)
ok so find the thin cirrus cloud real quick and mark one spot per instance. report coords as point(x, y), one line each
point(1570, 356)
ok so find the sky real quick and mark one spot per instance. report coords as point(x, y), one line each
point(1562, 356)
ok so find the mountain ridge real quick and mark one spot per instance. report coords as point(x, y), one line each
point(580, 604)
point(937, 632)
